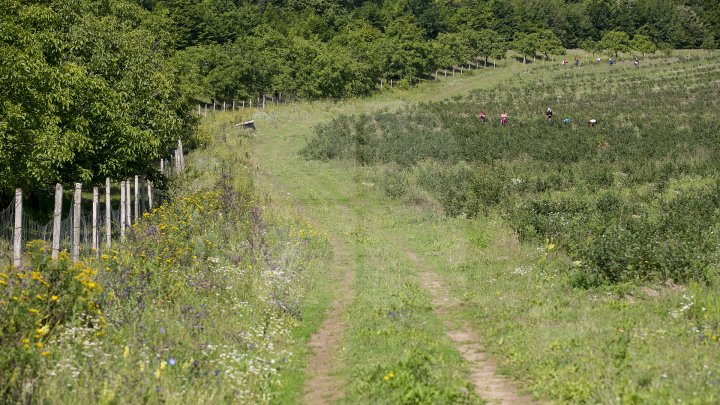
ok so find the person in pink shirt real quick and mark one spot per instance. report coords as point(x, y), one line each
point(503, 118)
point(482, 116)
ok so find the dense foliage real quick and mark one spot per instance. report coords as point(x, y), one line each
point(635, 197)
point(87, 91)
point(332, 48)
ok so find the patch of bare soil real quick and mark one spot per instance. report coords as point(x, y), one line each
point(483, 371)
point(322, 386)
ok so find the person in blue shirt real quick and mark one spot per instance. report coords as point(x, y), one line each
point(611, 61)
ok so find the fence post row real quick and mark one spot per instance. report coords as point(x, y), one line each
point(127, 217)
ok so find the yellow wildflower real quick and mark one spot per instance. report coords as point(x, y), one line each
point(46, 353)
point(39, 345)
point(33, 311)
point(42, 331)
point(54, 298)
point(126, 352)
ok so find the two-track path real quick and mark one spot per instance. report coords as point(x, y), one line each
point(328, 190)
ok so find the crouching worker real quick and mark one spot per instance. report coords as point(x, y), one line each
point(592, 122)
point(482, 116)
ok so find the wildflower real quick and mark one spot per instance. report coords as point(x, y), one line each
point(45, 353)
point(163, 364)
point(171, 361)
point(39, 345)
point(33, 311)
point(126, 352)
point(42, 331)
point(54, 298)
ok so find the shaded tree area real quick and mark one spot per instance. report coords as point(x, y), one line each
point(87, 90)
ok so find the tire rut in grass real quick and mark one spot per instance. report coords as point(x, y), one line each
point(483, 371)
point(322, 386)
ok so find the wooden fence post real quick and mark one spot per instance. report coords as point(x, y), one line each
point(122, 211)
point(137, 201)
point(181, 155)
point(205, 110)
point(95, 226)
point(57, 218)
point(108, 215)
point(150, 199)
point(250, 103)
point(199, 110)
point(76, 222)
point(128, 210)
point(17, 230)
point(233, 105)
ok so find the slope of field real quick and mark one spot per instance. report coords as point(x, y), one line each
point(634, 197)
point(561, 335)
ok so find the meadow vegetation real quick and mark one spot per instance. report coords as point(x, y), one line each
point(633, 198)
point(585, 257)
point(205, 302)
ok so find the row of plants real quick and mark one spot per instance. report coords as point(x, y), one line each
point(201, 304)
point(633, 197)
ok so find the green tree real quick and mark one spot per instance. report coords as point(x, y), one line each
point(525, 44)
point(643, 44)
point(615, 42)
point(549, 44)
point(588, 45)
point(709, 43)
point(489, 44)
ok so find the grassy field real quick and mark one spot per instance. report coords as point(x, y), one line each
point(225, 294)
point(628, 341)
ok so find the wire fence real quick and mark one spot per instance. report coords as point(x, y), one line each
point(137, 198)
point(40, 230)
